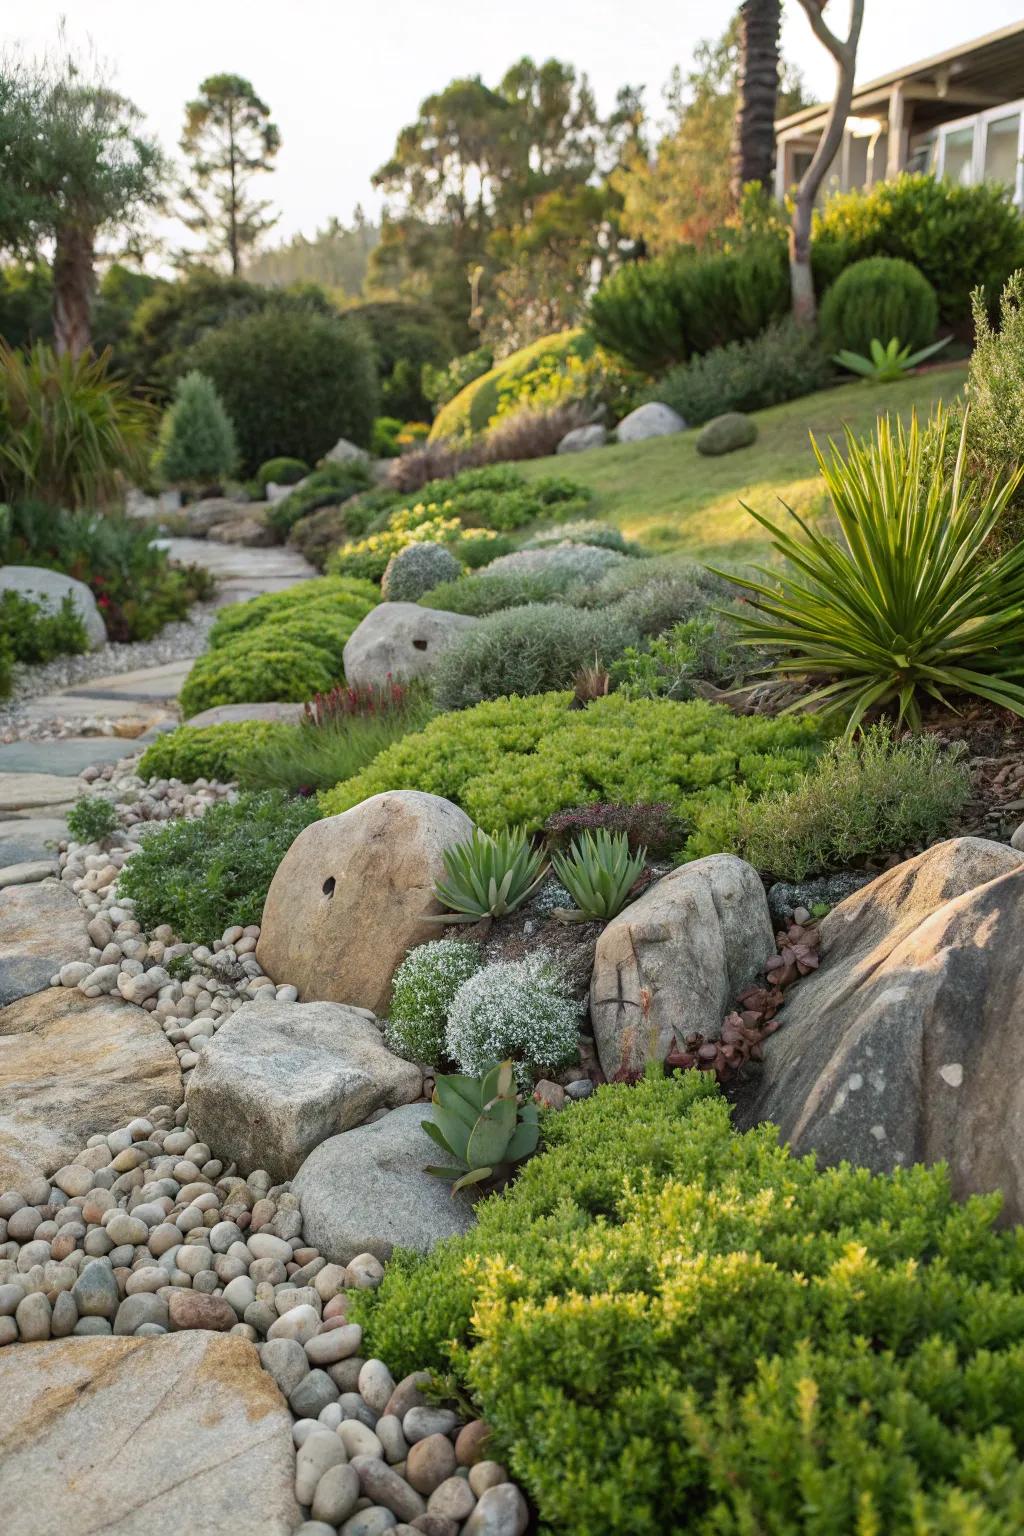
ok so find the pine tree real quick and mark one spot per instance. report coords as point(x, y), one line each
point(197, 440)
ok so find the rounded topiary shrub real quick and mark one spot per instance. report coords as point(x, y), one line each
point(423, 991)
point(282, 471)
point(293, 382)
point(879, 298)
point(416, 569)
point(197, 440)
point(518, 1010)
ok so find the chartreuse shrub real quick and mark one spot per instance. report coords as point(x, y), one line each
point(903, 605)
point(476, 405)
point(878, 299)
point(422, 992)
point(518, 760)
point(204, 874)
point(328, 594)
point(862, 800)
point(208, 751)
point(423, 524)
point(671, 1326)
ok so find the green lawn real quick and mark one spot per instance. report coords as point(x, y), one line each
point(668, 496)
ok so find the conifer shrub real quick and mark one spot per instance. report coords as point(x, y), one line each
point(670, 1326)
point(197, 439)
point(515, 761)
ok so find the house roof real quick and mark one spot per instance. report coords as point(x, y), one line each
point(991, 65)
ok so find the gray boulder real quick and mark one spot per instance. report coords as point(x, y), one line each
point(367, 1192)
point(208, 513)
point(673, 962)
point(225, 714)
point(651, 420)
point(280, 1078)
point(42, 927)
point(354, 893)
point(400, 640)
point(905, 1046)
point(250, 528)
point(581, 439)
point(343, 452)
point(49, 589)
point(726, 433)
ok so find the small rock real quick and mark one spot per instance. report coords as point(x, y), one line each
point(336, 1494)
point(501, 1511)
point(376, 1382)
point(421, 1422)
point(95, 1292)
point(320, 1451)
point(430, 1462)
point(191, 1309)
point(313, 1393)
point(471, 1442)
point(383, 1485)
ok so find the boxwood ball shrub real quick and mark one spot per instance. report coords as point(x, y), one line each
point(292, 380)
point(208, 751)
point(517, 1010)
point(516, 761)
point(670, 1326)
point(878, 298)
point(533, 649)
point(204, 874)
point(422, 992)
point(281, 471)
point(414, 570)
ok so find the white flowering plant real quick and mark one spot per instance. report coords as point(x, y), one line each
point(520, 1010)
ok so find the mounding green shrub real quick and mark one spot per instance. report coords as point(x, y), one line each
point(407, 339)
point(878, 298)
point(293, 382)
point(753, 1345)
point(414, 570)
point(333, 593)
point(208, 751)
point(92, 819)
point(518, 760)
point(533, 649)
point(476, 405)
point(196, 445)
point(484, 592)
point(325, 487)
point(422, 993)
point(282, 471)
point(583, 531)
point(904, 606)
point(205, 874)
point(660, 312)
point(862, 800)
point(34, 632)
point(699, 650)
point(784, 362)
point(956, 237)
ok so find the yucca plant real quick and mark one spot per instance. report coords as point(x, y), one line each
point(887, 364)
point(489, 876)
point(598, 872)
point(68, 431)
point(479, 1123)
point(903, 604)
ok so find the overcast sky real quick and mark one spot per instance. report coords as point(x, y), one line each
point(342, 78)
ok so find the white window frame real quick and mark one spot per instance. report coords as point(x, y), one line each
point(979, 121)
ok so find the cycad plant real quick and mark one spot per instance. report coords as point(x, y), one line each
point(904, 604)
point(489, 876)
point(598, 872)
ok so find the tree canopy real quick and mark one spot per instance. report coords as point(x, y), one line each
point(228, 139)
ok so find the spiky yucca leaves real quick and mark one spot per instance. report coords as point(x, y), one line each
point(888, 363)
point(903, 604)
point(479, 1124)
point(489, 876)
point(598, 872)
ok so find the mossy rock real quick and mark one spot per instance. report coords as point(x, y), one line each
point(724, 434)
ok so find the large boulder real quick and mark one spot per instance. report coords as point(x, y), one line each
point(651, 420)
point(203, 516)
point(344, 452)
point(42, 927)
point(144, 1437)
point(673, 962)
point(49, 589)
point(250, 528)
point(354, 893)
point(726, 433)
point(367, 1192)
point(400, 640)
point(907, 1044)
point(72, 1066)
point(279, 1078)
point(582, 439)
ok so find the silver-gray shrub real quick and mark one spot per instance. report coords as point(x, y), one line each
point(520, 1010)
point(417, 568)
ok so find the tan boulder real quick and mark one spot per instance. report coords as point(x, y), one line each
point(71, 1066)
point(907, 1044)
point(144, 1437)
point(353, 895)
point(42, 927)
point(673, 962)
point(400, 640)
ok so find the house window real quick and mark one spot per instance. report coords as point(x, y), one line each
point(958, 156)
point(1002, 149)
point(986, 147)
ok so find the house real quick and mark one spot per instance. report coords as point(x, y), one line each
point(959, 114)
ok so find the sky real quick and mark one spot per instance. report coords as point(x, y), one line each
point(342, 78)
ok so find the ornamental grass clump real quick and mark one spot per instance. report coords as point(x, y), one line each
point(422, 992)
point(520, 1010)
point(902, 605)
point(489, 876)
point(598, 872)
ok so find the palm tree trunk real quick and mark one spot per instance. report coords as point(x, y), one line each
point(73, 283)
point(753, 137)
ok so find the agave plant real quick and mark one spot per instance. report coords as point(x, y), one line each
point(598, 872)
point(480, 1125)
point(887, 364)
point(905, 603)
point(489, 876)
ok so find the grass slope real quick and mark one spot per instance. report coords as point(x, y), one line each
point(667, 495)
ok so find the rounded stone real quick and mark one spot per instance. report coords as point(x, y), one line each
point(501, 1511)
point(421, 1422)
point(385, 1486)
point(374, 1521)
point(453, 1498)
point(338, 1344)
point(336, 1494)
point(264, 1245)
point(313, 1393)
point(191, 1309)
point(89, 1326)
point(138, 1309)
point(65, 1315)
point(301, 1324)
point(430, 1462)
point(471, 1442)
point(359, 1440)
point(286, 1361)
point(376, 1382)
point(33, 1317)
point(486, 1474)
point(75, 1179)
point(319, 1451)
point(126, 1231)
point(388, 1430)
point(95, 1291)
point(22, 1223)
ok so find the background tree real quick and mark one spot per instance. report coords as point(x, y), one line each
point(844, 51)
point(757, 90)
point(228, 139)
point(77, 169)
point(336, 257)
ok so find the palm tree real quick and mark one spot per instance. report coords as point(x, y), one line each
point(757, 86)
